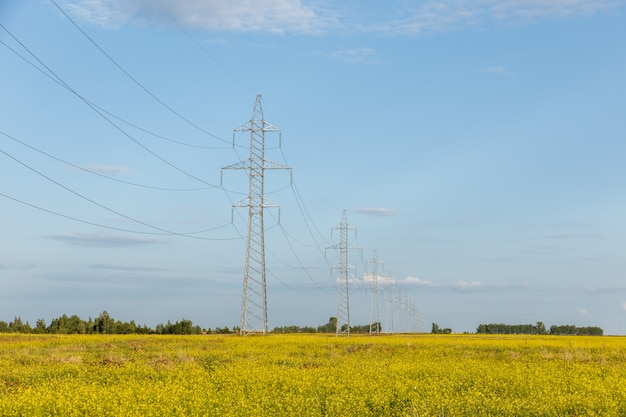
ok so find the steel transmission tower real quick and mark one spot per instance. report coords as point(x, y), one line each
point(343, 299)
point(400, 309)
point(390, 306)
point(374, 319)
point(254, 300)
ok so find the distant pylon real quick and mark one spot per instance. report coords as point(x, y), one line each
point(343, 281)
point(254, 300)
point(400, 309)
point(390, 306)
point(374, 285)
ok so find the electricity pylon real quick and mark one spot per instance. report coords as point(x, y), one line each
point(343, 299)
point(254, 300)
point(400, 307)
point(390, 306)
point(374, 320)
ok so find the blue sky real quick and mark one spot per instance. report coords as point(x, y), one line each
point(477, 147)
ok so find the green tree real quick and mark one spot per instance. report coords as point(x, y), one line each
point(541, 328)
point(40, 327)
point(104, 324)
point(330, 327)
point(332, 324)
point(18, 326)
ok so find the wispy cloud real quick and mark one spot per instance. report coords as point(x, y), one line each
point(417, 282)
point(583, 311)
point(531, 9)
point(121, 280)
point(276, 16)
point(384, 281)
point(127, 268)
point(468, 286)
point(607, 290)
point(107, 169)
point(624, 306)
point(498, 70)
point(574, 235)
point(102, 240)
point(356, 56)
point(314, 17)
point(379, 280)
point(382, 212)
point(471, 286)
point(9, 265)
point(447, 15)
point(108, 13)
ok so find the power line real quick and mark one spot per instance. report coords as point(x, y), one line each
point(165, 231)
point(120, 229)
point(121, 119)
point(100, 113)
point(202, 48)
point(374, 317)
point(301, 266)
point(98, 173)
point(254, 301)
point(133, 79)
point(306, 216)
point(52, 75)
point(343, 284)
point(299, 198)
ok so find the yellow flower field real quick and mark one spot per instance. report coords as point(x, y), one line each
point(312, 375)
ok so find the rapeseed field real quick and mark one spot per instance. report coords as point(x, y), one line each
point(311, 375)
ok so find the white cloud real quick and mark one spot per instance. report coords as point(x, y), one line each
point(381, 280)
point(583, 311)
point(107, 169)
point(624, 306)
point(277, 16)
point(357, 56)
point(530, 9)
point(446, 15)
point(305, 16)
point(418, 282)
point(468, 286)
point(384, 281)
point(108, 13)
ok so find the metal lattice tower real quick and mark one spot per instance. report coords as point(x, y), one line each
point(254, 300)
point(343, 281)
point(400, 309)
point(374, 277)
point(390, 306)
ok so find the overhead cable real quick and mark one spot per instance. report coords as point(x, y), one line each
point(121, 119)
point(95, 172)
point(101, 114)
point(133, 79)
point(76, 193)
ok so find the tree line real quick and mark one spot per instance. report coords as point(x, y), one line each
point(539, 328)
point(330, 327)
point(103, 324)
point(438, 330)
